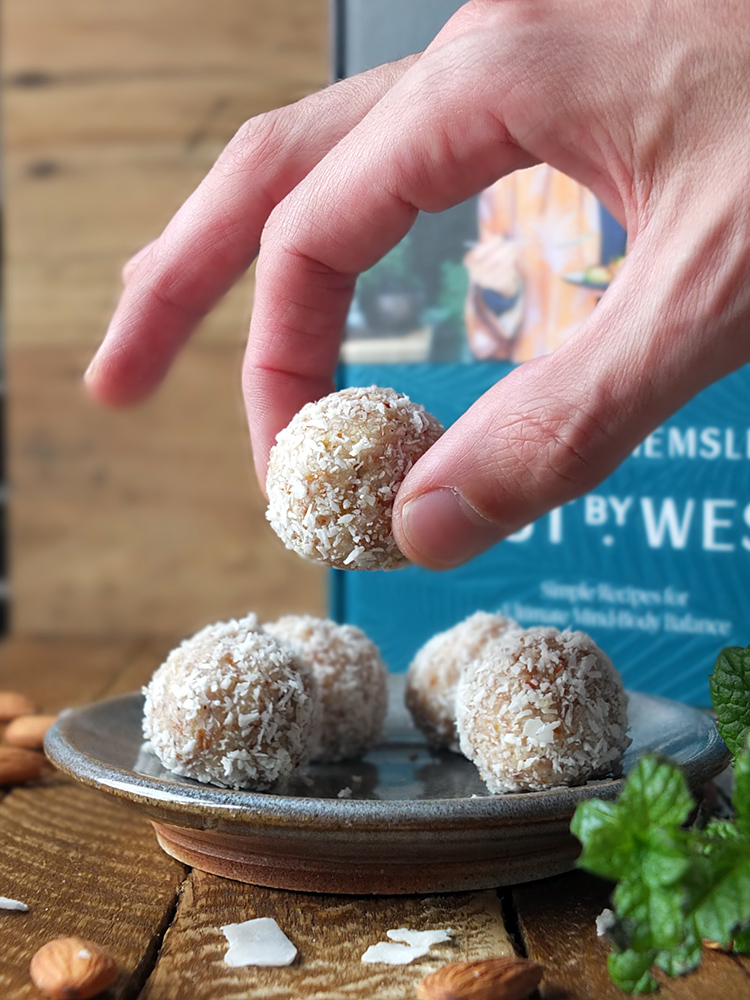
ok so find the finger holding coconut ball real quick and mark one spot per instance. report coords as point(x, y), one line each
point(232, 707)
point(334, 472)
point(540, 709)
point(434, 673)
point(352, 683)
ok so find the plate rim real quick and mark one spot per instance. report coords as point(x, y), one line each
point(204, 805)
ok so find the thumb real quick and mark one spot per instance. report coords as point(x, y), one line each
point(557, 426)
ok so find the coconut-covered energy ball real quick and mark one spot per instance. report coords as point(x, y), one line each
point(434, 672)
point(542, 708)
point(334, 472)
point(352, 683)
point(231, 706)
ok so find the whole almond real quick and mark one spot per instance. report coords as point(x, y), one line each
point(18, 765)
point(71, 968)
point(29, 731)
point(13, 704)
point(504, 978)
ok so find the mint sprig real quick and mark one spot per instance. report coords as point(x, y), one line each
point(676, 885)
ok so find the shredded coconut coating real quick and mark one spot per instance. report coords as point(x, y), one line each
point(352, 683)
point(334, 472)
point(434, 673)
point(540, 709)
point(232, 707)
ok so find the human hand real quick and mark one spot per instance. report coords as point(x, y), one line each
point(647, 104)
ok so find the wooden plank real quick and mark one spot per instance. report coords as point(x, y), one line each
point(331, 934)
point(144, 522)
point(86, 39)
point(557, 919)
point(84, 865)
point(62, 674)
point(112, 115)
point(73, 218)
point(147, 521)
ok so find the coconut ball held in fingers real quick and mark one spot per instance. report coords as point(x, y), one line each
point(334, 472)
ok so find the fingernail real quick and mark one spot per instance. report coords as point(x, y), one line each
point(445, 530)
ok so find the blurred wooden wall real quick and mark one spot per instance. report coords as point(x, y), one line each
point(146, 521)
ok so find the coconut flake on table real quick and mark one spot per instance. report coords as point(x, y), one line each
point(12, 904)
point(605, 922)
point(259, 941)
point(334, 472)
point(414, 945)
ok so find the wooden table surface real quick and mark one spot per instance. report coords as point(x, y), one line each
point(89, 865)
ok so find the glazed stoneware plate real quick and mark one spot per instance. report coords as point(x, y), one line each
point(402, 819)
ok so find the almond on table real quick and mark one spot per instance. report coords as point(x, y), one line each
point(29, 731)
point(13, 704)
point(71, 968)
point(504, 978)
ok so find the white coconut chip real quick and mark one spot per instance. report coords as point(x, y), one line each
point(605, 922)
point(13, 904)
point(415, 944)
point(258, 942)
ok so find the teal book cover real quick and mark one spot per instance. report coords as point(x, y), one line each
point(654, 564)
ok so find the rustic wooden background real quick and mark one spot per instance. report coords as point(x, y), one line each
point(146, 521)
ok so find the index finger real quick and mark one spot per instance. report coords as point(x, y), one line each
point(417, 149)
point(214, 237)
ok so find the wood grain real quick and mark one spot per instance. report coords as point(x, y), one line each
point(85, 866)
point(83, 863)
point(331, 934)
point(58, 674)
point(557, 919)
point(148, 521)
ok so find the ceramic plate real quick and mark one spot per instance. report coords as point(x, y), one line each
point(401, 819)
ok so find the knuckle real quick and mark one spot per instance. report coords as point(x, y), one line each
point(257, 140)
point(549, 454)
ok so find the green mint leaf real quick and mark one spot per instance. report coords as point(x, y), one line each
point(642, 830)
point(607, 846)
point(741, 800)
point(718, 891)
point(630, 970)
point(667, 858)
point(683, 958)
point(654, 915)
point(655, 795)
point(742, 940)
point(730, 694)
